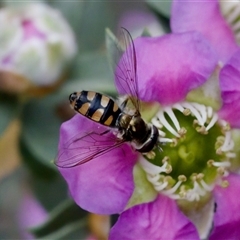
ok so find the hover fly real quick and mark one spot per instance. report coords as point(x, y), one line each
point(127, 125)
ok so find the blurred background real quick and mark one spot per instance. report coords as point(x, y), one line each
point(49, 49)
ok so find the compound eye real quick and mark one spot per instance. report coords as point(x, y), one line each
point(72, 97)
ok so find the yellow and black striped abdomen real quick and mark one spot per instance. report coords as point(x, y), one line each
point(97, 107)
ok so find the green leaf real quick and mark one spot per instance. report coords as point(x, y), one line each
point(75, 230)
point(35, 163)
point(65, 219)
point(40, 130)
point(9, 108)
point(90, 71)
point(96, 16)
point(50, 192)
point(161, 7)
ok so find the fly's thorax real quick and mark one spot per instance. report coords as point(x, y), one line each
point(96, 106)
point(138, 129)
point(135, 129)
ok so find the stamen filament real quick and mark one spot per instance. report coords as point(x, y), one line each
point(166, 140)
point(206, 186)
point(209, 112)
point(202, 109)
point(221, 164)
point(167, 125)
point(212, 122)
point(173, 189)
point(157, 123)
point(179, 107)
point(228, 143)
point(151, 168)
point(173, 117)
point(194, 112)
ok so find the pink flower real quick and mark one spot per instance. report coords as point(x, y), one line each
point(181, 193)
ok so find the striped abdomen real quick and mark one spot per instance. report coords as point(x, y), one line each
point(96, 107)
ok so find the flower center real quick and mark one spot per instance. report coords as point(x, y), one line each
point(197, 149)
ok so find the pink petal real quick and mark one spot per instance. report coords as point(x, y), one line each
point(169, 67)
point(205, 17)
point(160, 219)
point(30, 214)
point(230, 87)
point(227, 216)
point(105, 184)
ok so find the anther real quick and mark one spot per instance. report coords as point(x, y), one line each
point(201, 130)
point(221, 171)
point(174, 142)
point(182, 131)
point(174, 188)
point(210, 163)
point(195, 112)
point(224, 183)
point(165, 159)
point(186, 112)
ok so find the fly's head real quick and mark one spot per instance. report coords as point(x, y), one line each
point(73, 98)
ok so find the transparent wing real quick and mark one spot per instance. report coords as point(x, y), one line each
point(83, 148)
point(125, 69)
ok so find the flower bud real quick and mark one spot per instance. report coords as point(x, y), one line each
point(36, 45)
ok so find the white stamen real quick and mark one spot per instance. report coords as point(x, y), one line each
point(199, 190)
point(161, 186)
point(228, 142)
point(209, 112)
point(231, 155)
point(161, 133)
point(212, 122)
point(202, 109)
point(165, 140)
point(151, 168)
point(173, 189)
point(173, 117)
point(156, 123)
point(166, 124)
point(221, 164)
point(153, 178)
point(206, 186)
point(194, 112)
point(222, 122)
point(178, 107)
point(195, 192)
